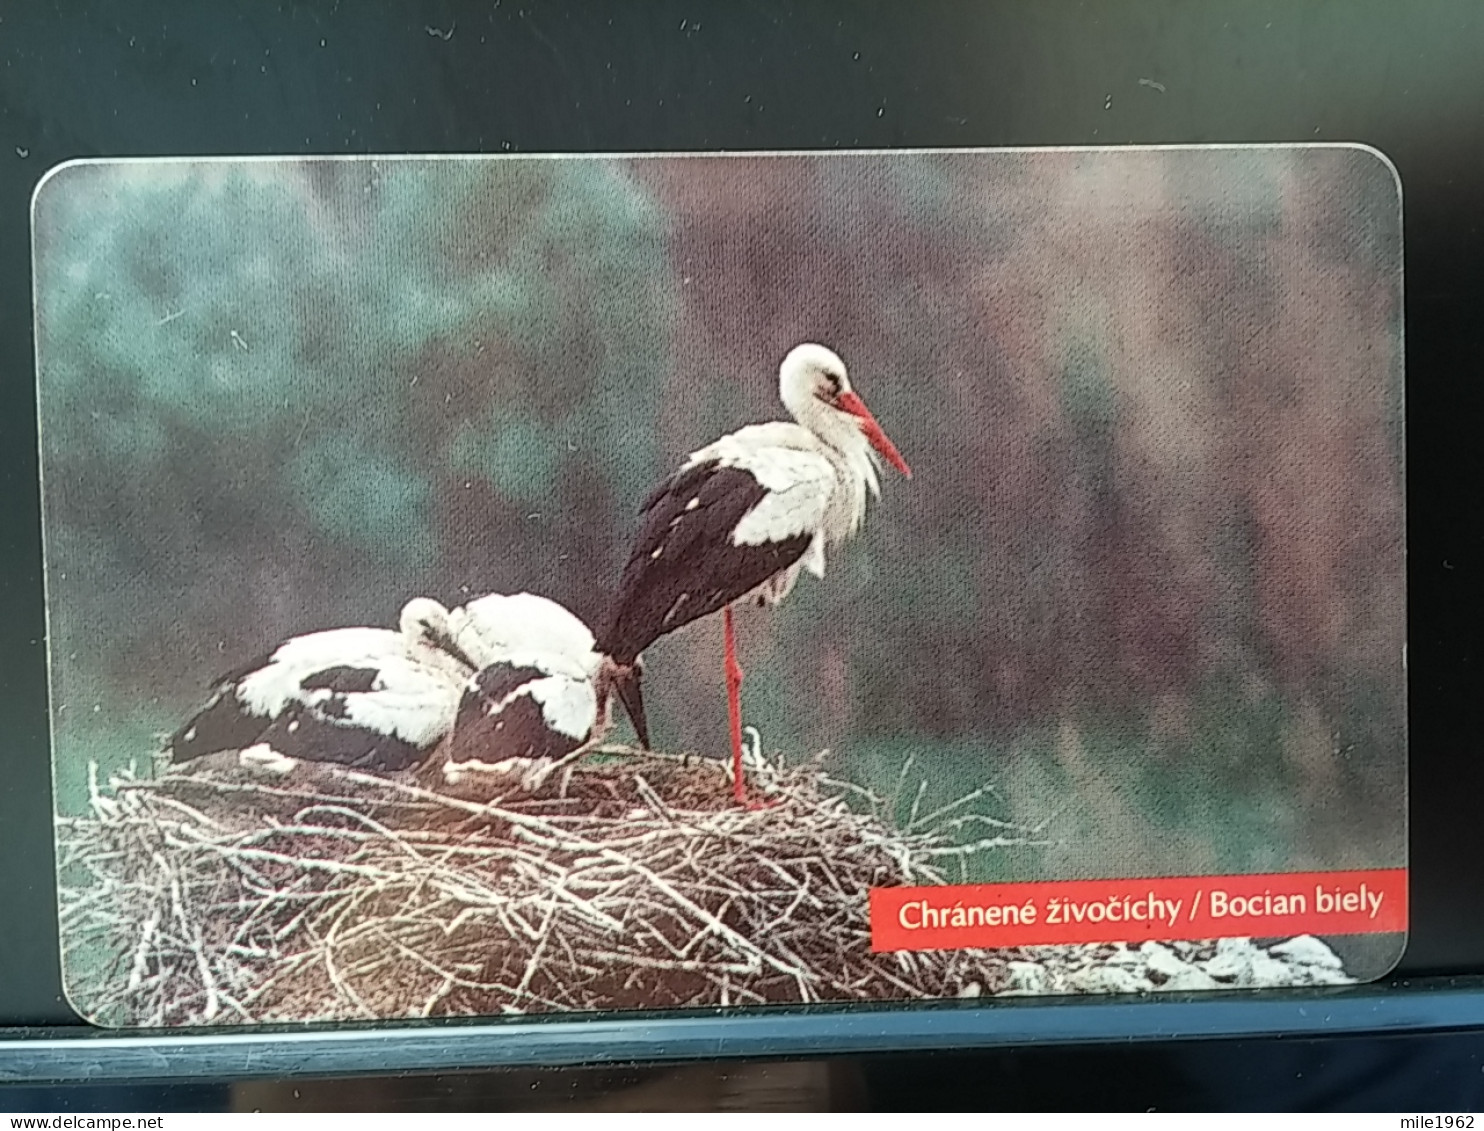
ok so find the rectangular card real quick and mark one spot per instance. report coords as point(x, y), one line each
point(493, 585)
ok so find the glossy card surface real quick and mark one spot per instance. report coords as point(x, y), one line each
point(504, 585)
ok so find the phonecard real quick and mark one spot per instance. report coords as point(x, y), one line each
point(490, 585)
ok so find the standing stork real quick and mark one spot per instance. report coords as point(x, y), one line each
point(742, 516)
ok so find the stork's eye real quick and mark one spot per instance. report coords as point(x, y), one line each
point(829, 386)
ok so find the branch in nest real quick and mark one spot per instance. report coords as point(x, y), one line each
point(338, 894)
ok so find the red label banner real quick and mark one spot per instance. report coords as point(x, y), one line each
point(951, 917)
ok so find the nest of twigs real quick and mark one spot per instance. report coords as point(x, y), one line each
point(224, 894)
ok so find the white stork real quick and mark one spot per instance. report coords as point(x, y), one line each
point(742, 516)
point(542, 692)
point(366, 697)
point(502, 677)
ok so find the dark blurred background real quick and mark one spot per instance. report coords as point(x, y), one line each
point(166, 77)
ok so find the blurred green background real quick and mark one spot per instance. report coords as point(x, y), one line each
point(1147, 584)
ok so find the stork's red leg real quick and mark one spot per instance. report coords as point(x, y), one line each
point(734, 713)
point(734, 704)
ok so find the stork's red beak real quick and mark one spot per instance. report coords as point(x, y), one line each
point(852, 404)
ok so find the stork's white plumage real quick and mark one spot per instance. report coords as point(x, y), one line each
point(542, 691)
point(508, 626)
point(383, 700)
point(368, 697)
point(742, 516)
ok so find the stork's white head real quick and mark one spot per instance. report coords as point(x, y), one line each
point(423, 621)
point(424, 624)
point(815, 389)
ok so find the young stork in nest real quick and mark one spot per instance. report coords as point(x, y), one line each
point(543, 693)
point(372, 698)
point(503, 677)
point(742, 516)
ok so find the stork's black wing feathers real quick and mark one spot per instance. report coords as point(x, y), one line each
point(518, 730)
point(687, 481)
point(311, 733)
point(499, 718)
point(685, 564)
point(223, 723)
point(500, 680)
point(341, 679)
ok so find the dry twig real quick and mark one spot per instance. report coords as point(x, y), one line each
point(213, 894)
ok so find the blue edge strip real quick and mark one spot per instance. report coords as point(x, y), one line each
point(85, 1055)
